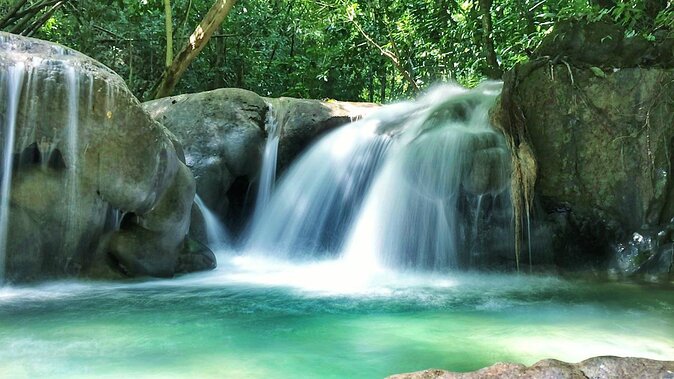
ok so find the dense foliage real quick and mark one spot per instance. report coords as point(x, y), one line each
point(372, 50)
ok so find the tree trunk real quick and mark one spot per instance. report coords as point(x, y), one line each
point(219, 82)
point(169, 32)
point(493, 69)
point(35, 26)
point(382, 79)
point(12, 13)
point(195, 44)
point(371, 86)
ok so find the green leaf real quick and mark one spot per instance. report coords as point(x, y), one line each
point(598, 72)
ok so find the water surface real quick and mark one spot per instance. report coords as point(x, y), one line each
point(255, 318)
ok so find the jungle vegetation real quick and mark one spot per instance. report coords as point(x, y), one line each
point(360, 50)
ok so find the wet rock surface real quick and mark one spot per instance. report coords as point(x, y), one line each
point(223, 133)
point(595, 368)
point(86, 153)
point(304, 121)
point(599, 124)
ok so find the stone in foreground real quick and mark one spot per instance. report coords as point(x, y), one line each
point(594, 368)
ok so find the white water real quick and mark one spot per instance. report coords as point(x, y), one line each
point(72, 133)
point(269, 158)
point(11, 85)
point(217, 235)
point(392, 189)
point(411, 216)
point(316, 200)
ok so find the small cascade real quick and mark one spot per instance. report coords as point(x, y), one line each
point(317, 200)
point(268, 170)
point(403, 188)
point(447, 157)
point(72, 81)
point(217, 235)
point(115, 218)
point(10, 85)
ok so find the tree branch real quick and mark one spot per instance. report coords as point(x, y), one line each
point(38, 24)
point(196, 43)
point(12, 13)
point(385, 52)
point(168, 13)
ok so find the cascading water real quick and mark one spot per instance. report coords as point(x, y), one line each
point(11, 84)
point(268, 170)
point(216, 234)
point(316, 201)
point(447, 158)
point(73, 85)
point(403, 188)
point(52, 214)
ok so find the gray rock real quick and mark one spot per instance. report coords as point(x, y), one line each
point(84, 147)
point(222, 133)
point(303, 121)
point(595, 368)
point(603, 147)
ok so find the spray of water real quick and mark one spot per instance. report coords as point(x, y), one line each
point(217, 235)
point(269, 158)
point(11, 84)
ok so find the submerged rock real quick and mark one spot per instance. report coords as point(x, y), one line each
point(597, 367)
point(224, 131)
point(84, 155)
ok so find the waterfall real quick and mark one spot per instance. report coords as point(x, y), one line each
point(73, 86)
point(217, 235)
point(401, 188)
point(317, 199)
point(11, 84)
point(268, 170)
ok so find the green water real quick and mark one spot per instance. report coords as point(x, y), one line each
point(234, 323)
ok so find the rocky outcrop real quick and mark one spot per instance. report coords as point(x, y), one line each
point(602, 137)
point(98, 188)
point(596, 368)
point(606, 44)
point(224, 131)
point(303, 121)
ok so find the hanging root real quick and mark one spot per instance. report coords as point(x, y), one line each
point(516, 198)
point(510, 119)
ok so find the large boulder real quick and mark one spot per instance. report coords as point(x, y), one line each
point(606, 44)
point(303, 121)
point(224, 132)
point(597, 367)
point(97, 187)
point(603, 143)
point(602, 137)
